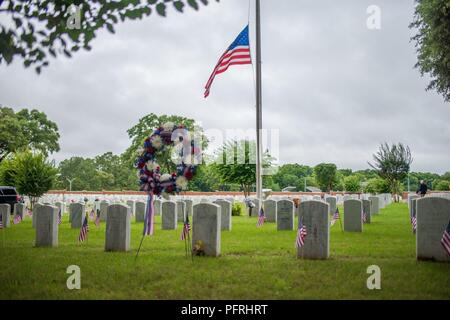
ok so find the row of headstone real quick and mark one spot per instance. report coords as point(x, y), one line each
point(205, 235)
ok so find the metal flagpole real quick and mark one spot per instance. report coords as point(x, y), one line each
point(258, 105)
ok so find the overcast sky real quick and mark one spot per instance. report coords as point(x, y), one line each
point(333, 88)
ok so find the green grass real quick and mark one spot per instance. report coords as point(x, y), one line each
point(255, 264)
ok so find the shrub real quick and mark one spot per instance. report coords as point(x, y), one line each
point(442, 185)
point(237, 209)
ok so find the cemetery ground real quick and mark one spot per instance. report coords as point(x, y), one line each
point(256, 263)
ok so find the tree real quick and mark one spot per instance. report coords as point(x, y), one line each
point(37, 29)
point(432, 41)
point(442, 185)
point(392, 163)
point(34, 175)
point(8, 171)
point(84, 175)
point(352, 183)
point(242, 169)
point(292, 175)
point(27, 130)
point(446, 176)
point(11, 137)
point(124, 177)
point(206, 179)
point(377, 185)
point(345, 172)
point(326, 175)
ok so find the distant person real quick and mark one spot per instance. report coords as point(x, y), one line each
point(422, 191)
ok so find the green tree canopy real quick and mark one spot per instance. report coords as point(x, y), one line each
point(352, 183)
point(38, 29)
point(392, 163)
point(33, 175)
point(104, 172)
point(432, 22)
point(377, 185)
point(326, 176)
point(27, 129)
point(242, 168)
point(442, 185)
point(292, 175)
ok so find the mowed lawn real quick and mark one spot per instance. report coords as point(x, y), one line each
point(256, 263)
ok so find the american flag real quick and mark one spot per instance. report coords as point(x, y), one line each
point(261, 218)
point(1, 221)
point(301, 235)
point(414, 224)
point(186, 229)
point(17, 219)
point(335, 217)
point(84, 230)
point(446, 238)
point(237, 53)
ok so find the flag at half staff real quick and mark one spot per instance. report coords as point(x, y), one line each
point(237, 53)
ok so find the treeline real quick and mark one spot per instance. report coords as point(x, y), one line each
point(110, 172)
point(28, 137)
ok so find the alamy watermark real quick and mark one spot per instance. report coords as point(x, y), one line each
point(374, 280)
point(74, 280)
point(74, 20)
point(373, 21)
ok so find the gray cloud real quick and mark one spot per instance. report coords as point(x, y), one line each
point(334, 88)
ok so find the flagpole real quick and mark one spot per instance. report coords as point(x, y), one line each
point(258, 105)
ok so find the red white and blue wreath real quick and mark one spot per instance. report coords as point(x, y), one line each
point(186, 153)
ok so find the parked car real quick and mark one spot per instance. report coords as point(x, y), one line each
point(10, 196)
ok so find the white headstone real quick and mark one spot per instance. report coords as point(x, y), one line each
point(433, 216)
point(374, 205)
point(118, 228)
point(77, 214)
point(157, 205)
point(103, 209)
point(46, 226)
point(206, 231)
point(315, 216)
point(225, 213)
point(189, 206)
point(5, 212)
point(367, 210)
point(332, 202)
point(140, 211)
point(130, 203)
point(285, 215)
point(270, 210)
point(181, 210)
point(353, 215)
point(169, 215)
point(20, 210)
